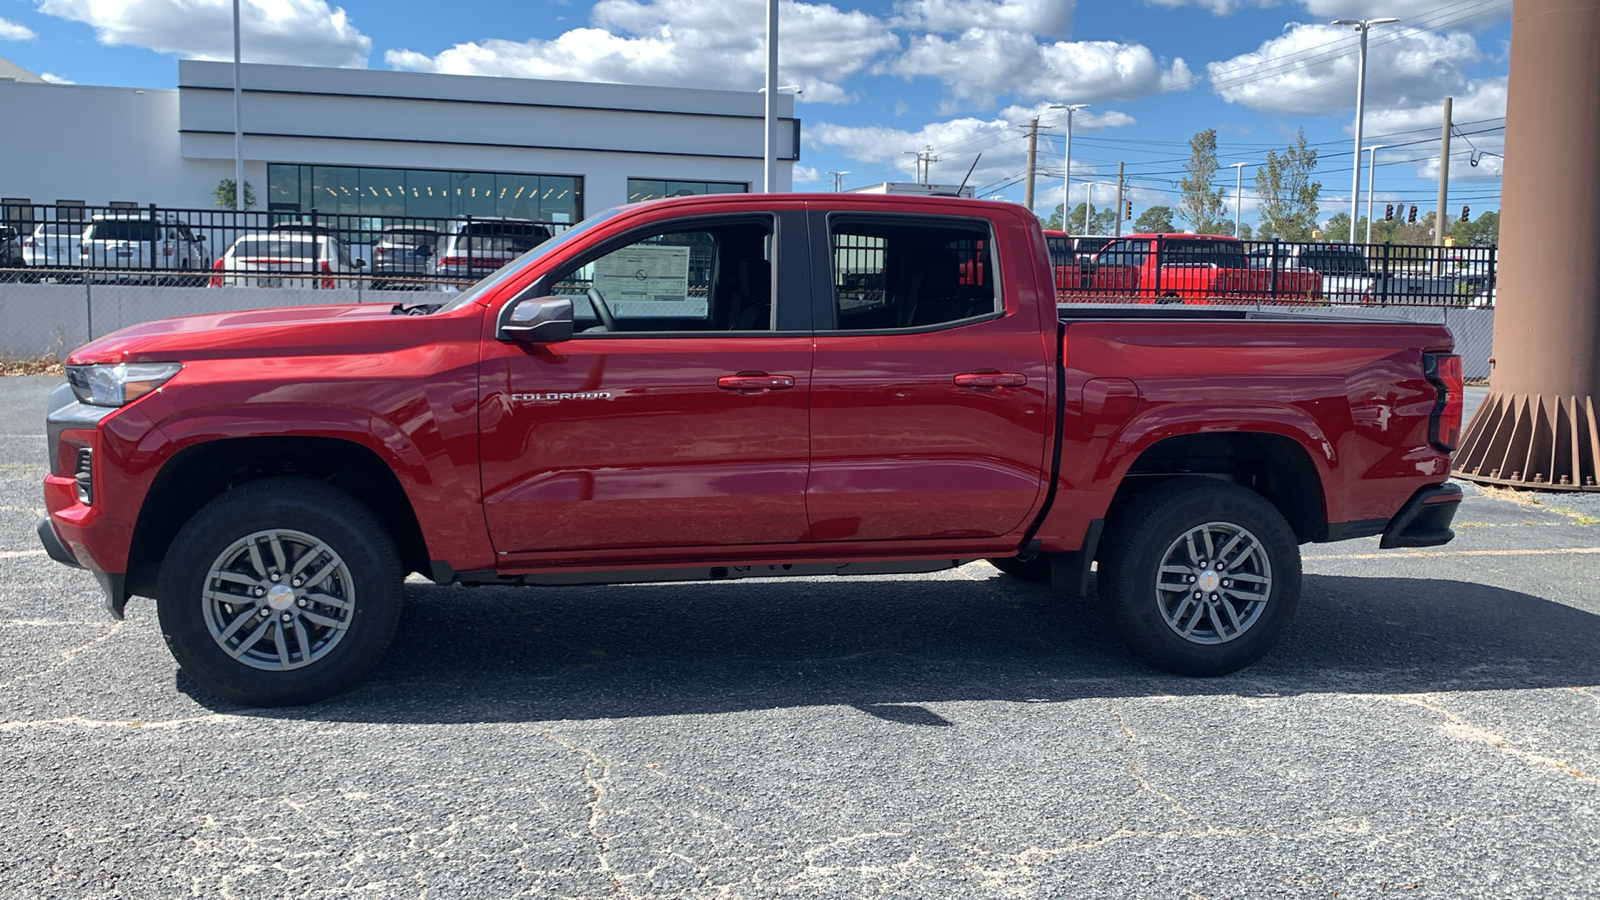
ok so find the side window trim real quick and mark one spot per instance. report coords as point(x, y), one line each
point(825, 296)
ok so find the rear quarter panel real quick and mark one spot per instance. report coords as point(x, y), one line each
point(1350, 394)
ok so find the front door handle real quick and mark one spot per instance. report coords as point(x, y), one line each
point(755, 382)
point(990, 380)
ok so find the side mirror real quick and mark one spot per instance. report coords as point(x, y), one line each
point(360, 263)
point(536, 320)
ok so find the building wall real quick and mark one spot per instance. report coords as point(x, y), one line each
point(171, 147)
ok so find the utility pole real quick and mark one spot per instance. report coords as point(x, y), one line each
point(838, 180)
point(769, 118)
point(1372, 175)
point(238, 126)
point(1033, 159)
point(1116, 220)
point(1238, 194)
point(925, 161)
point(1440, 219)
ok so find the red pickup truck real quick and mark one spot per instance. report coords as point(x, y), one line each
point(1186, 268)
point(730, 387)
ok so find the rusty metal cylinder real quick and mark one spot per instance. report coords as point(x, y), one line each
point(1538, 429)
point(1547, 303)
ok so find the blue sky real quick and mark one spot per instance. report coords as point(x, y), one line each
point(882, 78)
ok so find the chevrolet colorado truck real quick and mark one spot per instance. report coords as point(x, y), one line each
point(731, 387)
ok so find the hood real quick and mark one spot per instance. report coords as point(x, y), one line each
point(289, 331)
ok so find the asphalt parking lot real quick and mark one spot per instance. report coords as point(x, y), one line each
point(1430, 725)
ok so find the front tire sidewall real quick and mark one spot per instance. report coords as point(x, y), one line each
point(1133, 555)
point(326, 513)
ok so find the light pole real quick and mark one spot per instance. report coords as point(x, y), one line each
point(238, 126)
point(838, 179)
point(1363, 26)
point(1238, 193)
point(1066, 174)
point(769, 121)
point(1372, 172)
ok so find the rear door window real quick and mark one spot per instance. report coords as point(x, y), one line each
point(122, 231)
point(276, 248)
point(899, 272)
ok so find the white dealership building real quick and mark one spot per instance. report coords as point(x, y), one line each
point(382, 144)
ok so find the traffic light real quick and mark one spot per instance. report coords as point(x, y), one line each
point(1466, 214)
point(1411, 217)
point(1127, 214)
point(1388, 212)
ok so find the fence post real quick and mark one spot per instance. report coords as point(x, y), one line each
point(467, 232)
point(88, 301)
point(1161, 252)
point(1277, 260)
point(155, 235)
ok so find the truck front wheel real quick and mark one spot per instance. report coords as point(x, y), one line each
point(280, 592)
point(1199, 576)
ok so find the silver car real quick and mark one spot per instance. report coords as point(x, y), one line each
point(54, 245)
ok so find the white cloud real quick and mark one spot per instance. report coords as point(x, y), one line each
point(15, 31)
point(1483, 101)
point(982, 64)
point(1217, 7)
point(957, 143)
point(806, 175)
point(1046, 18)
point(1305, 71)
point(683, 43)
point(55, 79)
point(1433, 13)
point(293, 32)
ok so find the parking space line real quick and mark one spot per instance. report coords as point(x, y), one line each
point(13, 554)
point(1432, 554)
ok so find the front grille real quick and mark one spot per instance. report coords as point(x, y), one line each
point(83, 474)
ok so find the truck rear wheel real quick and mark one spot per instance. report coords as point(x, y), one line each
point(1199, 576)
point(280, 592)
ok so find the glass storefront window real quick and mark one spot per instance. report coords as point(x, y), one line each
point(359, 200)
point(641, 189)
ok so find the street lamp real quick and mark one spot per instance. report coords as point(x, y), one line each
point(1363, 26)
point(1066, 175)
point(838, 179)
point(1088, 204)
point(1372, 172)
point(238, 126)
point(1238, 193)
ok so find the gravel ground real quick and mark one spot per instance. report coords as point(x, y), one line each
point(1430, 725)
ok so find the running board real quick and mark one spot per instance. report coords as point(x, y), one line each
point(713, 573)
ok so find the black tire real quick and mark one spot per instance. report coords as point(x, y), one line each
point(344, 640)
point(1137, 547)
point(1036, 570)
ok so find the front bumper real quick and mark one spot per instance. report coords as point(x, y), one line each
point(1425, 519)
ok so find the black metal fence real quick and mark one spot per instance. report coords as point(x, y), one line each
point(1210, 270)
point(254, 248)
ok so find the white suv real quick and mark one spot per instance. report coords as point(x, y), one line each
point(137, 246)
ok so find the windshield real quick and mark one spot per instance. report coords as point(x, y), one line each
point(275, 248)
point(1222, 254)
point(114, 230)
point(511, 268)
point(1334, 262)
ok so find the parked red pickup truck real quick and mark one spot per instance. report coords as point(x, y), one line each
point(730, 387)
point(1187, 268)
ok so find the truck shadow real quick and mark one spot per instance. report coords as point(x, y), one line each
point(885, 646)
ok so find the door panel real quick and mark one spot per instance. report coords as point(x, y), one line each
point(630, 442)
point(899, 448)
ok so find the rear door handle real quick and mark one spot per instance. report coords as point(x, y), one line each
point(990, 380)
point(755, 382)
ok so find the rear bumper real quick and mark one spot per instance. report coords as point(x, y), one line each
point(1425, 519)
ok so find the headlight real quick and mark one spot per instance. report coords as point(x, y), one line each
point(105, 385)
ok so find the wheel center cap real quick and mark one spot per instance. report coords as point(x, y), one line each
point(1208, 581)
point(280, 596)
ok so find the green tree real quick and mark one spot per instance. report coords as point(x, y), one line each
point(1337, 228)
point(1480, 232)
point(1155, 220)
point(1202, 205)
point(1288, 195)
point(1102, 221)
point(223, 193)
